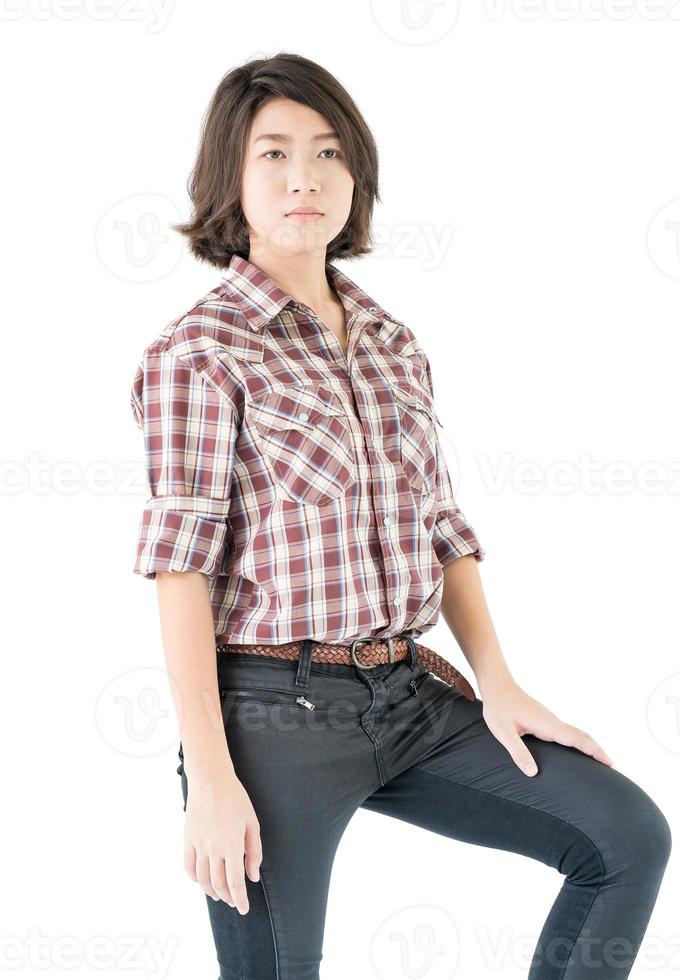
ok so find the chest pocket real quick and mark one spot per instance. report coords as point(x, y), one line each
point(417, 436)
point(305, 437)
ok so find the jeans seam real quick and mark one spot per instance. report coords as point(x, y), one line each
point(271, 922)
point(528, 806)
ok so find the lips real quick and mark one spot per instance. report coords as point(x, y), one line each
point(305, 211)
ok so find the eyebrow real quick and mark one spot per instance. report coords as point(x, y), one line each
point(283, 138)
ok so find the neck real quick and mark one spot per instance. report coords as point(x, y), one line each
point(303, 276)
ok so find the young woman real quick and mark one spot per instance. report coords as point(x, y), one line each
point(303, 534)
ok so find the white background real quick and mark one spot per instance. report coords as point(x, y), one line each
point(529, 234)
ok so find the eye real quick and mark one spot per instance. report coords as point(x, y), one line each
point(328, 150)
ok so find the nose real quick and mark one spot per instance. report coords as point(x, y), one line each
point(302, 177)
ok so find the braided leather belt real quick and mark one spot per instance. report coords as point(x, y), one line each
point(373, 653)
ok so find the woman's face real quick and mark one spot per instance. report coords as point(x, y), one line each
point(292, 160)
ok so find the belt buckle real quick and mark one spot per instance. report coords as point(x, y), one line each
point(370, 639)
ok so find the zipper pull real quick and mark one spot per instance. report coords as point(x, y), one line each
point(414, 687)
point(303, 701)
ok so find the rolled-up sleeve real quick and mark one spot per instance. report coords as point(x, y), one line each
point(190, 430)
point(453, 536)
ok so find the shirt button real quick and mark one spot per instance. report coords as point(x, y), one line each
point(397, 601)
point(303, 416)
point(386, 521)
point(375, 441)
point(373, 309)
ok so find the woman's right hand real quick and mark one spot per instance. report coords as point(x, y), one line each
point(220, 828)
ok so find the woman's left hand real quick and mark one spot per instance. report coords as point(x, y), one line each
point(510, 712)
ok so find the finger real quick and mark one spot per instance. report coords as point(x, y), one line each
point(578, 739)
point(190, 860)
point(218, 879)
point(236, 880)
point(253, 846)
point(572, 736)
point(203, 875)
point(600, 754)
point(520, 753)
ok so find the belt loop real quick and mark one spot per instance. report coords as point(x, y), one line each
point(304, 663)
point(413, 653)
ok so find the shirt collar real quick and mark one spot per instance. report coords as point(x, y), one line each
point(261, 299)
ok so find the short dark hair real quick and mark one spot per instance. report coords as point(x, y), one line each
point(217, 229)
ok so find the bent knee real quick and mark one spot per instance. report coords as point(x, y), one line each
point(638, 832)
point(622, 832)
point(652, 836)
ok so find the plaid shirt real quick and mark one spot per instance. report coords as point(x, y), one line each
point(309, 486)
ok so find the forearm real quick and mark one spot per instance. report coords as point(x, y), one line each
point(188, 635)
point(465, 611)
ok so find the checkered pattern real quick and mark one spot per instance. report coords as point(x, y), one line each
point(310, 487)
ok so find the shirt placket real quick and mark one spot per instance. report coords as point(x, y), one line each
point(386, 523)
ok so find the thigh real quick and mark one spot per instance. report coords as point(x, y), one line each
point(306, 771)
point(587, 820)
point(281, 935)
point(466, 786)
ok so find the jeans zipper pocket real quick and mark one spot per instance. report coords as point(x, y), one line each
point(267, 695)
point(416, 682)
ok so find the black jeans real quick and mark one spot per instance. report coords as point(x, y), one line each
point(397, 740)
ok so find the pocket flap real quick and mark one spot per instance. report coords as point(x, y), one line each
point(416, 398)
point(300, 408)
